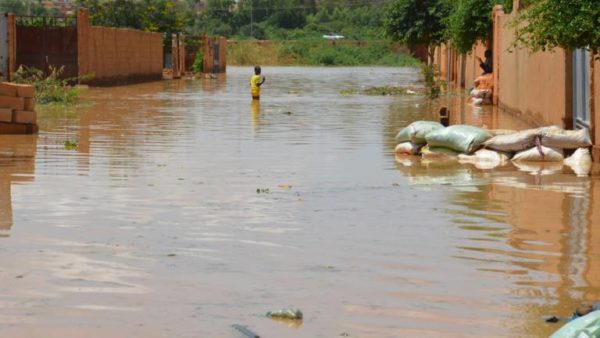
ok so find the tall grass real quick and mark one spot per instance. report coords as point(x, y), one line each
point(318, 52)
point(51, 88)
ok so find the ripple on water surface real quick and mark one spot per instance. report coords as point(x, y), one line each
point(185, 208)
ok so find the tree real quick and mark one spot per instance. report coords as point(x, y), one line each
point(165, 16)
point(24, 7)
point(417, 22)
point(288, 14)
point(470, 21)
point(220, 10)
point(118, 13)
point(547, 24)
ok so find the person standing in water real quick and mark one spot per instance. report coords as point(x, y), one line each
point(255, 82)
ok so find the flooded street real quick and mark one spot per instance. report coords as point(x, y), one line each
point(187, 208)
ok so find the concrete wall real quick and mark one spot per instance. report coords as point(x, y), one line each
point(530, 83)
point(595, 107)
point(117, 55)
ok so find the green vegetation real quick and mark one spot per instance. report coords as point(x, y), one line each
point(470, 21)
point(262, 190)
point(417, 22)
point(433, 84)
point(385, 91)
point(197, 66)
point(292, 19)
point(547, 24)
point(300, 23)
point(49, 88)
point(25, 7)
point(71, 145)
point(318, 52)
point(150, 15)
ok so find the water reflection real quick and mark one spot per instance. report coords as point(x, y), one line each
point(255, 114)
point(17, 165)
point(534, 223)
point(536, 230)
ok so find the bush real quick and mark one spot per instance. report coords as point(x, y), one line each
point(198, 61)
point(253, 31)
point(48, 88)
point(319, 52)
point(223, 30)
point(431, 75)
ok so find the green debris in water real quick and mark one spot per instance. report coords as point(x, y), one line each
point(385, 91)
point(349, 91)
point(71, 145)
point(262, 190)
point(295, 314)
point(392, 90)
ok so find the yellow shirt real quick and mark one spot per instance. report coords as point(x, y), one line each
point(254, 88)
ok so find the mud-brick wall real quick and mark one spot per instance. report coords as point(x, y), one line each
point(117, 55)
point(530, 83)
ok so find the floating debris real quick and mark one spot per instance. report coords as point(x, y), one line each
point(294, 314)
point(71, 145)
point(245, 331)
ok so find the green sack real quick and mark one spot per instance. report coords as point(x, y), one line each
point(587, 326)
point(462, 138)
point(417, 131)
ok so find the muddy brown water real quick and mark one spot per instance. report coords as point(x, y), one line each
point(153, 226)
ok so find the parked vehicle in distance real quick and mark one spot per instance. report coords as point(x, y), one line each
point(333, 36)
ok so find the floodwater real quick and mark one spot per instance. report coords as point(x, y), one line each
point(186, 208)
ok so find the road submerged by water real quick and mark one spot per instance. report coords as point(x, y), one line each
point(187, 208)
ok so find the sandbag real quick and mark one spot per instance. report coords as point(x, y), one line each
point(513, 142)
point(587, 326)
point(556, 137)
point(481, 93)
point(417, 131)
point(484, 159)
point(496, 132)
point(407, 148)
point(481, 101)
point(462, 138)
point(580, 162)
point(539, 154)
point(438, 153)
point(484, 82)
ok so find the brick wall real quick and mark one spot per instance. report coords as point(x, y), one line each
point(117, 55)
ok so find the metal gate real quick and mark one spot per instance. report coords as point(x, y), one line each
point(217, 58)
point(45, 42)
point(581, 88)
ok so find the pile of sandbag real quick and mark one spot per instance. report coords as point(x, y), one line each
point(486, 149)
point(482, 91)
point(433, 140)
point(413, 137)
point(547, 144)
